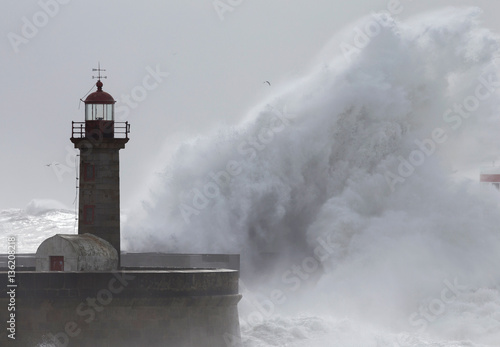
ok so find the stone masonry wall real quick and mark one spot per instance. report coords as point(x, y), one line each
point(187, 308)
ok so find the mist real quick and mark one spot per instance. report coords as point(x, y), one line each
point(346, 194)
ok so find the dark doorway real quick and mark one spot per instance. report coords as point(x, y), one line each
point(56, 263)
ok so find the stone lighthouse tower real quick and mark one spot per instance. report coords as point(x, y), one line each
point(99, 140)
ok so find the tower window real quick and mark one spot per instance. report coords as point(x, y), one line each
point(89, 172)
point(99, 112)
point(88, 214)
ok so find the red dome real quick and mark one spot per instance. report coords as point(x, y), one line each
point(99, 97)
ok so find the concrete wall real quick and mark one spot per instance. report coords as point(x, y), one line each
point(173, 260)
point(26, 262)
point(133, 308)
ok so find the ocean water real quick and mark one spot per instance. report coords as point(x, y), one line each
point(39, 220)
point(351, 194)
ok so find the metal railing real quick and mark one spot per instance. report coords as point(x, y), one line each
point(122, 129)
point(119, 130)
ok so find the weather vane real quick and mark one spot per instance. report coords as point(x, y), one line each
point(99, 76)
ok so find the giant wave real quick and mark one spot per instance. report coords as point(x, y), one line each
point(349, 197)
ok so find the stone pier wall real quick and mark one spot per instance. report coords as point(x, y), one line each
point(181, 308)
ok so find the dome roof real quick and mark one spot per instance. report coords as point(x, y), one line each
point(99, 96)
point(81, 252)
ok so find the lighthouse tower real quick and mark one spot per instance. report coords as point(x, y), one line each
point(99, 140)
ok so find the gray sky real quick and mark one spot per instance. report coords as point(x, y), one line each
point(216, 64)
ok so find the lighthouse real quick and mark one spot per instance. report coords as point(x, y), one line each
point(99, 139)
point(82, 295)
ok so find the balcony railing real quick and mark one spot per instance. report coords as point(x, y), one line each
point(119, 130)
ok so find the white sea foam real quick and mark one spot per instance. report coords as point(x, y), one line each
point(39, 220)
point(356, 164)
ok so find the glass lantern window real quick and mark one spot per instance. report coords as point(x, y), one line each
point(99, 112)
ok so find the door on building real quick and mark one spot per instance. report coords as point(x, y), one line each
point(56, 263)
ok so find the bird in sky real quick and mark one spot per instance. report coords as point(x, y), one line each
point(267, 82)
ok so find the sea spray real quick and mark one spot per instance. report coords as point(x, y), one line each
point(351, 193)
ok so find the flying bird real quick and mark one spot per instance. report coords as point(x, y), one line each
point(267, 82)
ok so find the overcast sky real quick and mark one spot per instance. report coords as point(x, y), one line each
point(203, 68)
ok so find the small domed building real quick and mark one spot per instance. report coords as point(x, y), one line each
point(85, 252)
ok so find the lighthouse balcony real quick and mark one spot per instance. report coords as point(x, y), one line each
point(97, 129)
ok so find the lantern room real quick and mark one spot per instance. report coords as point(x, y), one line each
point(99, 105)
point(99, 113)
point(99, 118)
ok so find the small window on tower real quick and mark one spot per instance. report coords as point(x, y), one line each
point(88, 214)
point(89, 172)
